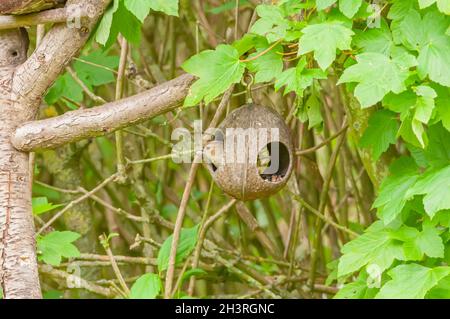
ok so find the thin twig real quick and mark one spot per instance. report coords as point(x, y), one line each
point(76, 201)
point(185, 198)
point(198, 248)
point(118, 96)
point(105, 244)
point(318, 146)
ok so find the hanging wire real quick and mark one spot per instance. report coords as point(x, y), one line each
point(248, 81)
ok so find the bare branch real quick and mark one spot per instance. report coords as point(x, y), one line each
point(86, 123)
point(56, 50)
point(49, 16)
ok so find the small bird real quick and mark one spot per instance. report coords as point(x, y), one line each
point(263, 160)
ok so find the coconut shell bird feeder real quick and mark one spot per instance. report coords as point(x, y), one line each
point(251, 154)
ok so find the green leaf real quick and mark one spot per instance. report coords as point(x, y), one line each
point(376, 246)
point(380, 133)
point(271, 24)
point(400, 9)
point(443, 5)
point(324, 39)
point(186, 243)
point(413, 132)
point(65, 87)
point(53, 294)
point(377, 40)
point(247, 42)
point(56, 245)
point(392, 196)
point(141, 8)
point(193, 272)
point(428, 37)
point(424, 104)
point(93, 75)
point(429, 242)
point(41, 205)
point(376, 75)
point(442, 108)
point(411, 281)
point(357, 290)
point(147, 286)
point(117, 19)
point(216, 70)
point(435, 185)
point(126, 24)
point(349, 7)
point(323, 4)
point(353, 290)
point(437, 153)
point(400, 103)
point(441, 290)
point(104, 28)
point(267, 66)
point(313, 106)
point(298, 79)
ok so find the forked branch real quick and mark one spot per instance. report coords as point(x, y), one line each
point(34, 77)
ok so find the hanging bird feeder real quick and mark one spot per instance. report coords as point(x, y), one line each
point(251, 155)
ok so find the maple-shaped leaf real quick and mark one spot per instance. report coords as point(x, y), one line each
point(266, 64)
point(427, 242)
point(271, 23)
point(380, 133)
point(392, 195)
point(216, 69)
point(375, 40)
point(376, 246)
point(412, 281)
point(435, 185)
point(141, 8)
point(377, 75)
point(428, 37)
point(299, 78)
point(442, 5)
point(349, 7)
point(400, 9)
point(324, 39)
point(55, 245)
point(323, 4)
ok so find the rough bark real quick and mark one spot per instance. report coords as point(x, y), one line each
point(27, 6)
point(22, 85)
point(18, 267)
point(86, 123)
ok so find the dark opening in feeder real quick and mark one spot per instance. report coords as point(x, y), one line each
point(251, 154)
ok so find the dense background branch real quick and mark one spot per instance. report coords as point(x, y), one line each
point(58, 47)
point(85, 123)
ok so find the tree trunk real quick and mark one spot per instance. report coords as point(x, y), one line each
point(18, 265)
